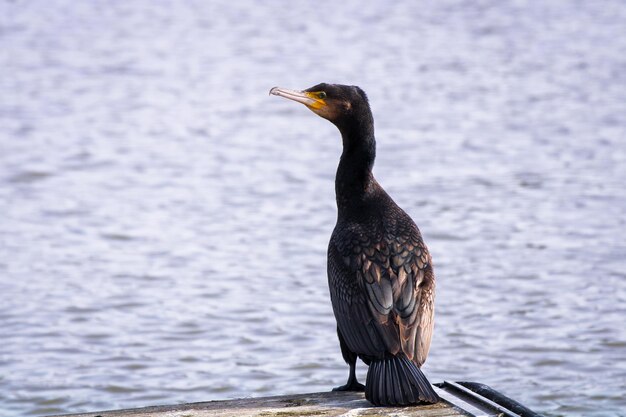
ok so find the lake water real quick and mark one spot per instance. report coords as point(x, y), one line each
point(164, 221)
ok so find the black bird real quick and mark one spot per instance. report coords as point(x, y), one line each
point(380, 273)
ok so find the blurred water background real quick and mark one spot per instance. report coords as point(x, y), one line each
point(164, 222)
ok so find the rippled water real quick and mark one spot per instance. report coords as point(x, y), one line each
point(164, 222)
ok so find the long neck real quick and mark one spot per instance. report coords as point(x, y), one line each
point(354, 175)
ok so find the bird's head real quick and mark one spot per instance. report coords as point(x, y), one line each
point(343, 105)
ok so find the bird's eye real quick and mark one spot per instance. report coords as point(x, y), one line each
point(321, 95)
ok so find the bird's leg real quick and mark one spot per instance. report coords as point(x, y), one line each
point(350, 358)
point(352, 384)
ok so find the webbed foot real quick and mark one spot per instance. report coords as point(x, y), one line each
point(351, 386)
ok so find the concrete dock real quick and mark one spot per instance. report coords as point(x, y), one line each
point(456, 400)
point(317, 404)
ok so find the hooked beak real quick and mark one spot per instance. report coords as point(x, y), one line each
point(303, 97)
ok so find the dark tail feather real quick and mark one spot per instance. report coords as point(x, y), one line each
point(397, 381)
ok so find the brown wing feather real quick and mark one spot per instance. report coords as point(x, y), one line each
point(426, 318)
point(391, 294)
point(415, 302)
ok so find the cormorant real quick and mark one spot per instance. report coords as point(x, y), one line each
point(380, 273)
